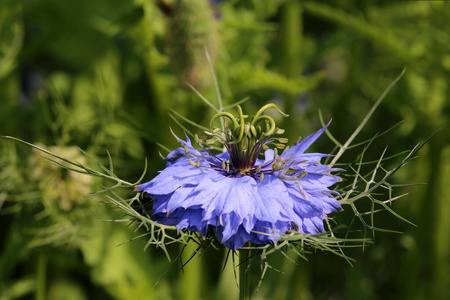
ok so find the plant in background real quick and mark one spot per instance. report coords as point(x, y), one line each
point(192, 29)
point(63, 195)
point(60, 188)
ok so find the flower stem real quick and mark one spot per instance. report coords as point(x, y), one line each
point(41, 274)
point(244, 274)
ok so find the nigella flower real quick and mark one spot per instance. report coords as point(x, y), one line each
point(238, 195)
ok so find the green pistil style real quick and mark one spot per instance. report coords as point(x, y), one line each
point(245, 140)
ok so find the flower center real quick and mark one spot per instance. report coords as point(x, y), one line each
point(245, 140)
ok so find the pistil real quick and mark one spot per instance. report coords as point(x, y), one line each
point(245, 140)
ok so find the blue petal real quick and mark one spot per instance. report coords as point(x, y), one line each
point(269, 155)
point(227, 194)
point(307, 159)
point(330, 204)
point(249, 223)
point(318, 182)
point(313, 225)
point(236, 241)
point(306, 209)
point(188, 144)
point(160, 203)
point(294, 153)
point(223, 156)
point(180, 198)
point(171, 178)
point(304, 204)
point(230, 223)
point(272, 201)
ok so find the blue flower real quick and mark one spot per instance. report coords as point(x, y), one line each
point(239, 196)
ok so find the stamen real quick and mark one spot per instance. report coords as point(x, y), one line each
point(279, 165)
point(253, 130)
point(275, 153)
point(246, 129)
point(198, 140)
point(280, 146)
point(301, 190)
point(279, 131)
point(196, 164)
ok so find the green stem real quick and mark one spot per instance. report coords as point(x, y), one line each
point(244, 274)
point(41, 274)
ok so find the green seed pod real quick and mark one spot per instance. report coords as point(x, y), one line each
point(192, 31)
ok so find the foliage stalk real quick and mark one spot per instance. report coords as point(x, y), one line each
point(244, 275)
point(41, 274)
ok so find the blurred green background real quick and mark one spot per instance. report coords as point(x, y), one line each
point(105, 75)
